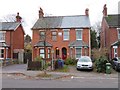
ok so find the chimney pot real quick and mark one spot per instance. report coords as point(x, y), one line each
point(87, 12)
point(41, 14)
point(18, 18)
point(104, 10)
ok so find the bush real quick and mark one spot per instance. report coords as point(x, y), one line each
point(63, 69)
point(70, 61)
point(100, 64)
point(34, 65)
point(38, 58)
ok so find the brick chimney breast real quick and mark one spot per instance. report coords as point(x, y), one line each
point(104, 10)
point(87, 12)
point(18, 18)
point(41, 14)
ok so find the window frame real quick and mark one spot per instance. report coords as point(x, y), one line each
point(2, 36)
point(119, 33)
point(78, 53)
point(79, 30)
point(1, 54)
point(42, 36)
point(49, 53)
point(54, 35)
point(42, 54)
point(66, 34)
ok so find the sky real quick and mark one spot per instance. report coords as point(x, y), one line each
point(28, 9)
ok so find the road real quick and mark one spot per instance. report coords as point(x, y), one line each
point(75, 82)
point(80, 79)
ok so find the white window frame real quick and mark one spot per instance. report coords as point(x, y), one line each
point(77, 30)
point(2, 53)
point(54, 36)
point(49, 51)
point(42, 36)
point(2, 38)
point(118, 31)
point(66, 33)
point(42, 52)
point(76, 52)
point(115, 51)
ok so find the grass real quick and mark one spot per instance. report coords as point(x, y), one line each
point(64, 69)
point(44, 75)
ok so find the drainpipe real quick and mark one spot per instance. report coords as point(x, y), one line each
point(89, 45)
point(11, 45)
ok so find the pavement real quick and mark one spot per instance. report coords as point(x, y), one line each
point(21, 70)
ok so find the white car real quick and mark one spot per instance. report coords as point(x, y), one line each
point(84, 62)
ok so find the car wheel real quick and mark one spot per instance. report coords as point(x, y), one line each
point(77, 68)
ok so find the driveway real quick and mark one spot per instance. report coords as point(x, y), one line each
point(15, 67)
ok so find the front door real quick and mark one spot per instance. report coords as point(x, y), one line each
point(64, 53)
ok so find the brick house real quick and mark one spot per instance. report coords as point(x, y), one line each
point(12, 39)
point(66, 36)
point(110, 34)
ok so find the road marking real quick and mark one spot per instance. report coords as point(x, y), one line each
point(73, 77)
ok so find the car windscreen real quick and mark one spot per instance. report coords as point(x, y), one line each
point(85, 60)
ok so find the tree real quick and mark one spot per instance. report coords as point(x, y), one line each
point(27, 39)
point(12, 18)
point(94, 43)
point(27, 44)
point(97, 28)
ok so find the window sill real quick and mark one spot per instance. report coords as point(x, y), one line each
point(66, 40)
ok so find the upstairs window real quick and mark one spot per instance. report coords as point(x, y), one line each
point(54, 36)
point(78, 34)
point(42, 35)
point(118, 33)
point(66, 34)
point(2, 36)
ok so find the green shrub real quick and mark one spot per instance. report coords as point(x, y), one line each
point(70, 61)
point(38, 58)
point(63, 69)
point(100, 64)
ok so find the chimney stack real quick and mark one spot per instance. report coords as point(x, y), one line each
point(87, 12)
point(105, 10)
point(18, 18)
point(41, 14)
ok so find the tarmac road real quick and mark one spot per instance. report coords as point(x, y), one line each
point(77, 79)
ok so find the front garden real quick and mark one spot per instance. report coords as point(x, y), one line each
point(99, 63)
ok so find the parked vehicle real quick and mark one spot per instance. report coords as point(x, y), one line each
point(84, 62)
point(116, 63)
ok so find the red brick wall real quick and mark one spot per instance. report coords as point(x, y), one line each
point(108, 37)
point(104, 33)
point(9, 41)
point(18, 38)
point(113, 35)
point(60, 43)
